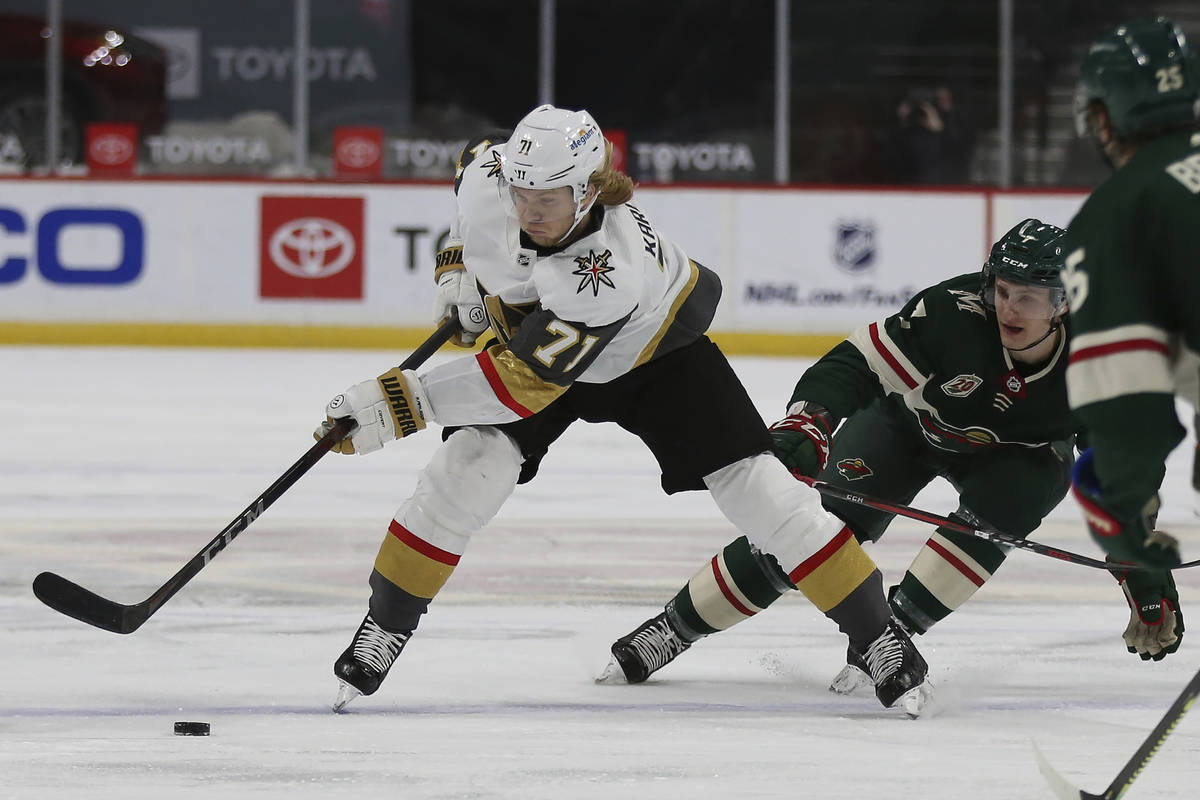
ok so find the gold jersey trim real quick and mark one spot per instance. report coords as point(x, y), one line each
point(652, 346)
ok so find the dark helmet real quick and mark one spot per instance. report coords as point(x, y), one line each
point(1031, 253)
point(1146, 76)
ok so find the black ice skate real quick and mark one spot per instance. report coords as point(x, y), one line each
point(854, 676)
point(638, 655)
point(898, 670)
point(365, 663)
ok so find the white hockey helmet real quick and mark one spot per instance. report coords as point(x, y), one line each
point(554, 147)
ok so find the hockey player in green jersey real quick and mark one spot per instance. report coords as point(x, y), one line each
point(1133, 283)
point(967, 382)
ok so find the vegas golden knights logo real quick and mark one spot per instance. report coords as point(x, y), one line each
point(593, 272)
point(495, 166)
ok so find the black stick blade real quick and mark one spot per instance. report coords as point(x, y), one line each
point(75, 601)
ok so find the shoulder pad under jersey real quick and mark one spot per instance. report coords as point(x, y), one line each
point(475, 148)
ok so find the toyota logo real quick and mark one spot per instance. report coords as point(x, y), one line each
point(311, 247)
point(111, 148)
point(357, 152)
point(179, 62)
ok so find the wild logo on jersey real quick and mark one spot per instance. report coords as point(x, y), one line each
point(853, 469)
point(949, 437)
point(593, 270)
point(968, 301)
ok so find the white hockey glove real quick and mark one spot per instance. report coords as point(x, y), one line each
point(456, 290)
point(389, 407)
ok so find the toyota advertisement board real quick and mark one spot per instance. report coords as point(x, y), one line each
point(201, 252)
point(792, 261)
point(111, 149)
point(311, 247)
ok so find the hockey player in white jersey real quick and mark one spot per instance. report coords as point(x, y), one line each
point(596, 316)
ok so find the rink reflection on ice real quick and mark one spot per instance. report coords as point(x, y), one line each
point(120, 463)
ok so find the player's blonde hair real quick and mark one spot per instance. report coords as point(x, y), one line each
point(613, 187)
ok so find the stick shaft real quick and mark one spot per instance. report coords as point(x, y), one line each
point(341, 428)
point(1150, 746)
point(898, 509)
point(73, 600)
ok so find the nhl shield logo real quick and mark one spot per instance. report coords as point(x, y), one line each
point(854, 245)
point(1014, 384)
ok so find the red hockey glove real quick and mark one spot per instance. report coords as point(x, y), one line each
point(801, 439)
point(1133, 540)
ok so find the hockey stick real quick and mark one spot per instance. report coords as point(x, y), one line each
point(945, 522)
point(75, 601)
point(1005, 539)
point(1137, 763)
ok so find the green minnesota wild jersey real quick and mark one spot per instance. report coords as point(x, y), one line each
point(1133, 284)
point(940, 363)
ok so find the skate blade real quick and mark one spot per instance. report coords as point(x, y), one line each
point(850, 680)
point(914, 702)
point(345, 694)
point(612, 674)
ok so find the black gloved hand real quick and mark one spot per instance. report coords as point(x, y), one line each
point(801, 439)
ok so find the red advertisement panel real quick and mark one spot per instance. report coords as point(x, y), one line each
point(358, 152)
point(620, 145)
point(311, 247)
point(112, 148)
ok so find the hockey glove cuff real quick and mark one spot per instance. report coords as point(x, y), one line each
point(1155, 627)
point(389, 407)
point(457, 291)
point(1133, 540)
point(801, 439)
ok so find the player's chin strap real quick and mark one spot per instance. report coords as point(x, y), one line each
point(1054, 326)
point(580, 215)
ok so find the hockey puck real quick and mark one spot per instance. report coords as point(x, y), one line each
point(191, 728)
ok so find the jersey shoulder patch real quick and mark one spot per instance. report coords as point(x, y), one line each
point(476, 148)
point(971, 302)
point(961, 293)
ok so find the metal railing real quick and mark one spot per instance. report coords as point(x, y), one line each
point(696, 91)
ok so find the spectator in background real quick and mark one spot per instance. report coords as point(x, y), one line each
point(929, 143)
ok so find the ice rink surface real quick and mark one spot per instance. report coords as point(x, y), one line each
point(119, 464)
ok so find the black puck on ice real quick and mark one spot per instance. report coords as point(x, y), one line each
point(191, 728)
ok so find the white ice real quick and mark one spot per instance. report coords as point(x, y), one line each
point(117, 465)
